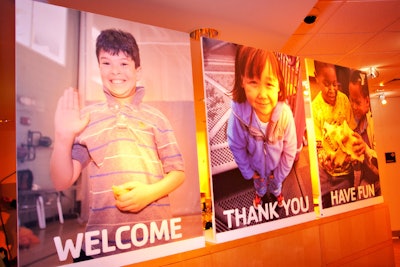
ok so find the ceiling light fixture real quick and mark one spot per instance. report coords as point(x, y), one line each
point(382, 98)
point(373, 73)
point(203, 32)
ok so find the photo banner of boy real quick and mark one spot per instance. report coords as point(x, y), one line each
point(107, 162)
point(256, 129)
point(344, 137)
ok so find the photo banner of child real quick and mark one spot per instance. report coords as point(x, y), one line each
point(257, 140)
point(123, 159)
point(344, 136)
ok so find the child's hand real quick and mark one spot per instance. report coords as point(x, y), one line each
point(136, 196)
point(359, 145)
point(119, 191)
point(328, 162)
point(68, 122)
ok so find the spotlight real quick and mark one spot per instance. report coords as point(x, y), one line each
point(373, 72)
point(382, 98)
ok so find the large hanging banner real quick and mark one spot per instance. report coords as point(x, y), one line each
point(256, 128)
point(344, 137)
point(137, 196)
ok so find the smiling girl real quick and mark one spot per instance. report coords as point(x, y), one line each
point(261, 128)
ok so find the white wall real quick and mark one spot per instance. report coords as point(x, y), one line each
point(42, 79)
point(387, 134)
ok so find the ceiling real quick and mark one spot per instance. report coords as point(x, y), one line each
point(358, 34)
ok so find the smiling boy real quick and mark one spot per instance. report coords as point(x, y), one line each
point(126, 145)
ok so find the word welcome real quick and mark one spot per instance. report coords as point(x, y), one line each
point(352, 194)
point(237, 217)
point(148, 234)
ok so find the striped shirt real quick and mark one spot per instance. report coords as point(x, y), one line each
point(124, 143)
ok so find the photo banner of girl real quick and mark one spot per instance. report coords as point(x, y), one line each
point(256, 128)
point(344, 137)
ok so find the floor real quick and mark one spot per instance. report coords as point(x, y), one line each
point(44, 253)
point(240, 192)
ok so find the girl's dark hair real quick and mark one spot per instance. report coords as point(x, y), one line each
point(250, 62)
point(358, 77)
point(113, 41)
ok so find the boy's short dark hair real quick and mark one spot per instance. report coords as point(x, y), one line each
point(113, 41)
point(319, 65)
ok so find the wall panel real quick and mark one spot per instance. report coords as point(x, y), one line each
point(356, 238)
